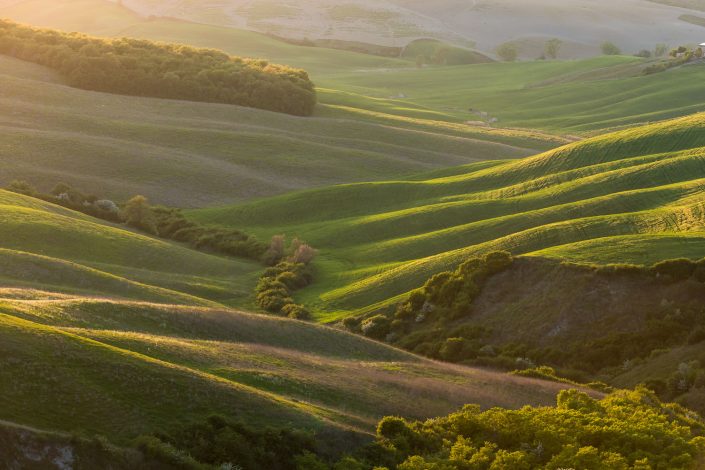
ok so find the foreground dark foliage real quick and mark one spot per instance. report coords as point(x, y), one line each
point(221, 443)
point(627, 430)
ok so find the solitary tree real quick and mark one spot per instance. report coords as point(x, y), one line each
point(553, 47)
point(610, 48)
point(138, 214)
point(275, 252)
point(507, 52)
point(303, 254)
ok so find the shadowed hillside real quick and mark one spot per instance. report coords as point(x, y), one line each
point(136, 368)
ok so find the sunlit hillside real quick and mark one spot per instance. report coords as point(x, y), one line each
point(320, 235)
point(634, 196)
point(135, 368)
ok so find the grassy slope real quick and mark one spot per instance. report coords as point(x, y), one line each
point(134, 367)
point(195, 155)
point(44, 245)
point(215, 153)
point(641, 189)
point(192, 154)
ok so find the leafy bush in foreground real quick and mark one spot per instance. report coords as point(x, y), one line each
point(219, 442)
point(625, 430)
point(145, 68)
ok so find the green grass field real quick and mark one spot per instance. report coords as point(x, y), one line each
point(135, 368)
point(195, 154)
point(378, 118)
point(402, 172)
point(634, 196)
point(132, 330)
point(44, 246)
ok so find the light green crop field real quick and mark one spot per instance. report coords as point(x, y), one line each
point(135, 368)
point(634, 196)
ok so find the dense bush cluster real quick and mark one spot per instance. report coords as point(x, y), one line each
point(145, 68)
point(625, 430)
point(275, 289)
point(218, 443)
point(449, 294)
point(436, 321)
point(170, 223)
point(164, 222)
point(420, 323)
point(677, 57)
point(66, 196)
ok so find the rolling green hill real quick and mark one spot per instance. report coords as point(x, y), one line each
point(378, 118)
point(432, 51)
point(47, 246)
point(131, 330)
point(135, 368)
point(634, 196)
point(197, 154)
point(559, 96)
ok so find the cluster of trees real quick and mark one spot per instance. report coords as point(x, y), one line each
point(676, 57)
point(66, 196)
point(145, 68)
point(418, 323)
point(219, 443)
point(168, 223)
point(290, 272)
point(436, 321)
point(626, 430)
point(509, 51)
point(171, 224)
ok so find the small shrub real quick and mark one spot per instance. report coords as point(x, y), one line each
point(138, 214)
point(452, 349)
point(22, 187)
point(610, 48)
point(552, 48)
point(508, 52)
point(296, 312)
point(376, 327)
point(351, 323)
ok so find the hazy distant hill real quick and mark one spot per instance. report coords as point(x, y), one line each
point(582, 24)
